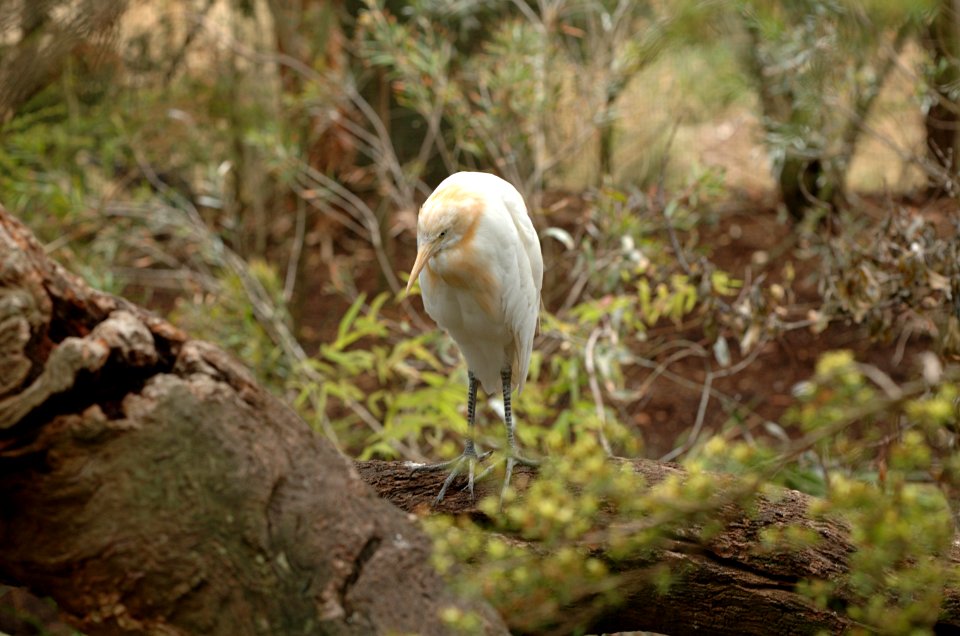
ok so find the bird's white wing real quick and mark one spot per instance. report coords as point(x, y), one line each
point(513, 249)
point(522, 298)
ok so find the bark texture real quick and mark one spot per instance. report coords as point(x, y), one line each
point(148, 485)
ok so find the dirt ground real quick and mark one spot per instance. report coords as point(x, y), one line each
point(764, 386)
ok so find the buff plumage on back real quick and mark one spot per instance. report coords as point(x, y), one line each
point(485, 289)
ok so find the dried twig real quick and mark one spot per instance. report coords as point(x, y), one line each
point(595, 389)
point(296, 249)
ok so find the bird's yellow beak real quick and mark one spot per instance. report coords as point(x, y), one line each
point(423, 257)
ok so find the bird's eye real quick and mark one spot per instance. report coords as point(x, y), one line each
point(443, 233)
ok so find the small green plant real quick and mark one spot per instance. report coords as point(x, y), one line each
point(559, 545)
point(368, 363)
point(538, 559)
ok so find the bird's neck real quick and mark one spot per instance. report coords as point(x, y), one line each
point(465, 271)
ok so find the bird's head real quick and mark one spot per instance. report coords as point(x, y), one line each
point(447, 221)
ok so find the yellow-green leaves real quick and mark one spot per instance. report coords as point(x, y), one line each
point(564, 512)
point(673, 299)
point(723, 283)
point(901, 534)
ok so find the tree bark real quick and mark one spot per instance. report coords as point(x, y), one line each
point(729, 584)
point(148, 485)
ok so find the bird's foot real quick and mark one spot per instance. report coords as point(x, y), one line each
point(512, 459)
point(468, 457)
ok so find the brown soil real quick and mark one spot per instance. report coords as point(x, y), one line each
point(763, 387)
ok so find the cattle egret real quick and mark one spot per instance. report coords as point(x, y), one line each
point(480, 271)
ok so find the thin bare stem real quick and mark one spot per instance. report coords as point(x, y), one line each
point(595, 390)
point(698, 423)
point(296, 249)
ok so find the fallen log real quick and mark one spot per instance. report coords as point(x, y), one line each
point(148, 485)
point(727, 584)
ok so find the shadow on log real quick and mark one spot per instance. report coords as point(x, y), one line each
point(147, 484)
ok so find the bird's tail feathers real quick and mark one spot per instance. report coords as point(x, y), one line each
point(519, 366)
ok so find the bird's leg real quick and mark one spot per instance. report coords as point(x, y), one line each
point(469, 455)
point(513, 452)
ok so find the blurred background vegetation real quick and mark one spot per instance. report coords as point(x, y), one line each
point(725, 191)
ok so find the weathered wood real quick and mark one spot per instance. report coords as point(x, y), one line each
point(147, 484)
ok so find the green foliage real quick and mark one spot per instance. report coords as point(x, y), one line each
point(560, 545)
point(901, 533)
point(560, 511)
point(901, 528)
point(226, 316)
point(489, 99)
point(367, 350)
point(818, 67)
point(496, 95)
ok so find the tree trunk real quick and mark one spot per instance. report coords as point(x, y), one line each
point(147, 484)
point(799, 174)
point(799, 181)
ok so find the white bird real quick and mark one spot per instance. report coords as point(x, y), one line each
point(481, 271)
